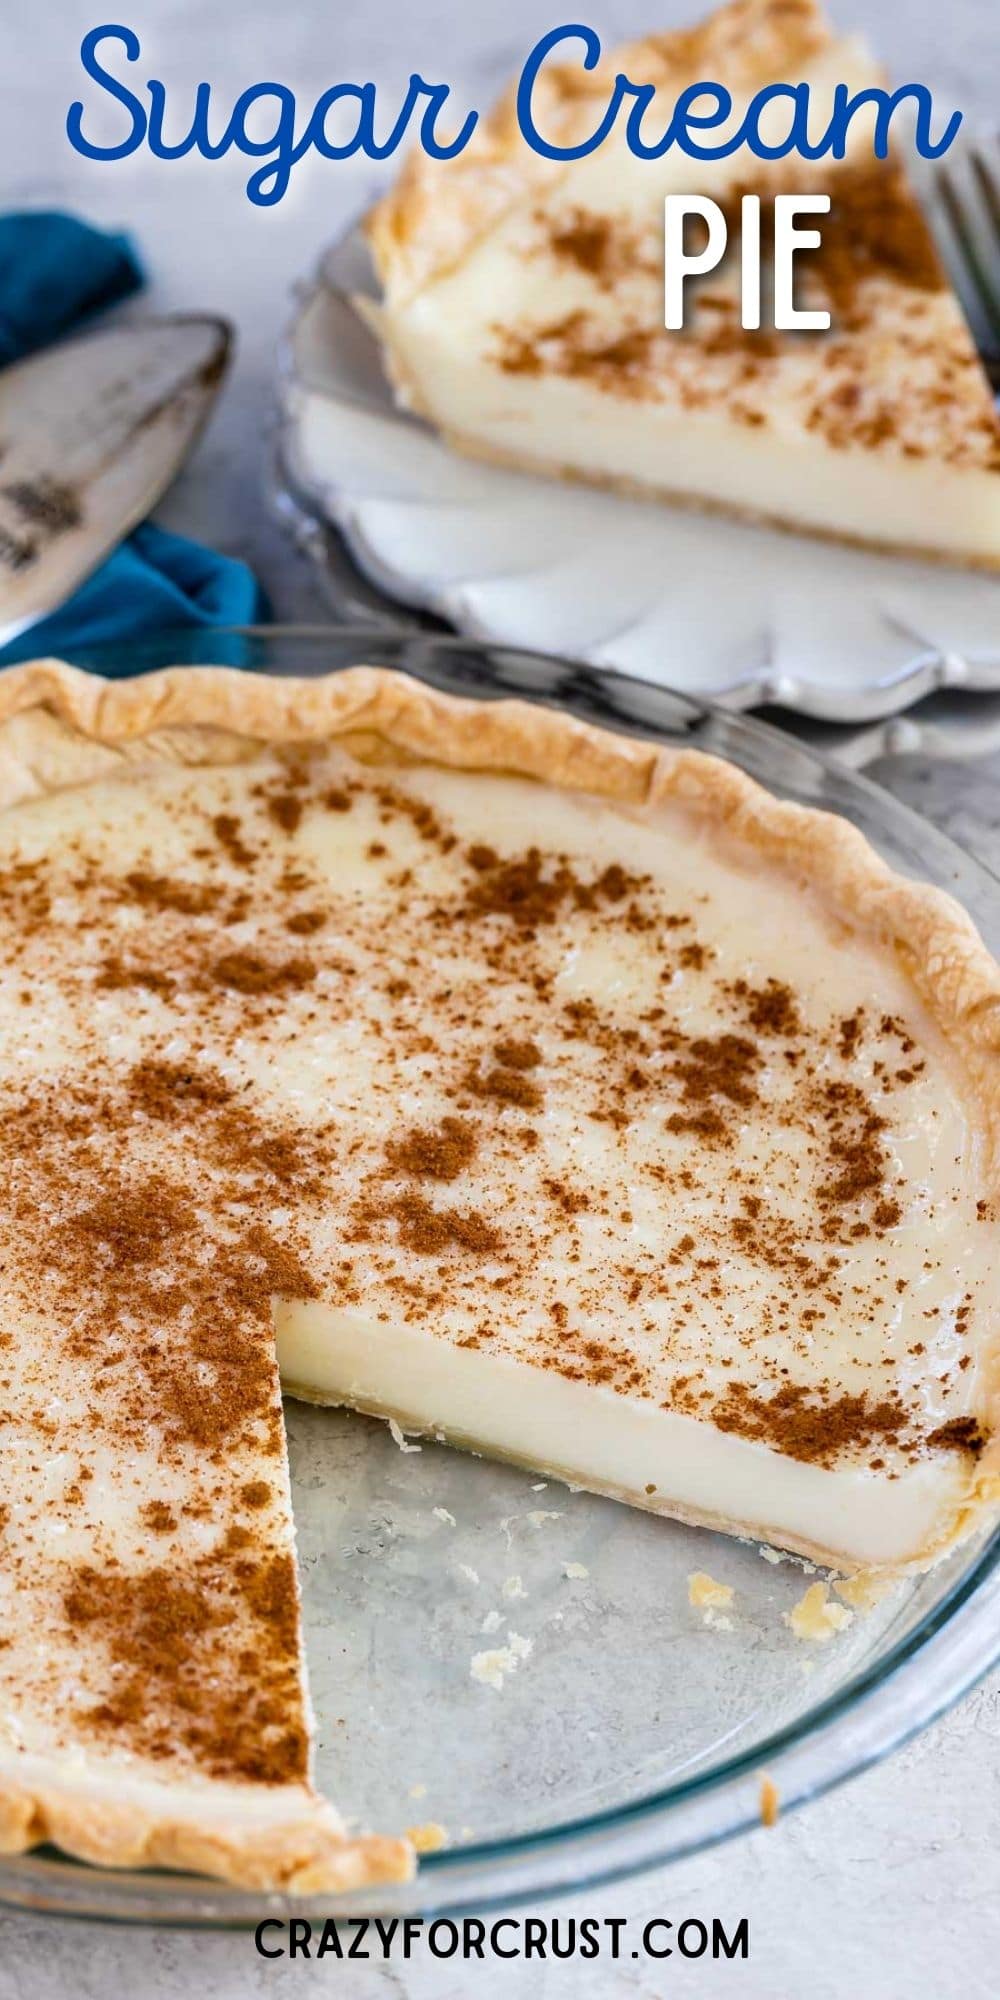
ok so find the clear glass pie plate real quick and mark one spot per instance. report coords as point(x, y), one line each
point(632, 1731)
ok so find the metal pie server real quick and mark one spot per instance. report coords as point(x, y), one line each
point(91, 433)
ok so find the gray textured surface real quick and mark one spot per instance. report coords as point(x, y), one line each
point(888, 1888)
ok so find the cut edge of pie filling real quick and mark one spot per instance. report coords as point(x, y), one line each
point(628, 1137)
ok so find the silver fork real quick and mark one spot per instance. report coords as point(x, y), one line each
point(963, 202)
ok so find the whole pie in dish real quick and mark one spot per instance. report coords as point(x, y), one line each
point(523, 311)
point(563, 1095)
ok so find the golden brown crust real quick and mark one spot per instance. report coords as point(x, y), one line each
point(301, 1850)
point(414, 236)
point(60, 727)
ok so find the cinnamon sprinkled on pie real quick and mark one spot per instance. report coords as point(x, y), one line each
point(438, 1154)
point(601, 245)
point(875, 245)
point(812, 1428)
point(166, 1635)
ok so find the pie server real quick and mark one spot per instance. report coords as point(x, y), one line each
point(91, 433)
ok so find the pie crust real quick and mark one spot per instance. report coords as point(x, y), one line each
point(61, 728)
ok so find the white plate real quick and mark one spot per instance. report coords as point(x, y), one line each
point(959, 727)
point(717, 608)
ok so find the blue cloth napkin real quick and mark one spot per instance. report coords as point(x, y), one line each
point(55, 272)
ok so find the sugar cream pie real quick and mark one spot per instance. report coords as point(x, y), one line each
point(523, 313)
point(561, 1094)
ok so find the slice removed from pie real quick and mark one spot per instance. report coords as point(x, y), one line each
point(561, 1095)
point(522, 309)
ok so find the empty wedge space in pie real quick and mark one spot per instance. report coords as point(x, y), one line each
point(562, 1095)
point(522, 307)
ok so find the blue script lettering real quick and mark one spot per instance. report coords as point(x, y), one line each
point(264, 122)
point(685, 120)
point(273, 138)
point(576, 32)
point(74, 120)
point(887, 103)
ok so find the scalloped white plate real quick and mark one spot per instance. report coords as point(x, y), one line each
point(732, 612)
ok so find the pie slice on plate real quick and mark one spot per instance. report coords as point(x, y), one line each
point(523, 313)
point(563, 1095)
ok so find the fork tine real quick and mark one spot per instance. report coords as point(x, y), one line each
point(981, 270)
point(989, 188)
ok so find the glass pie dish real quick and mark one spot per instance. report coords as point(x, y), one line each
point(636, 1727)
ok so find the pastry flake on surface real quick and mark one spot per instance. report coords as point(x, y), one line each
point(705, 1593)
point(428, 1838)
point(817, 1615)
point(522, 311)
point(554, 1092)
point(770, 1802)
